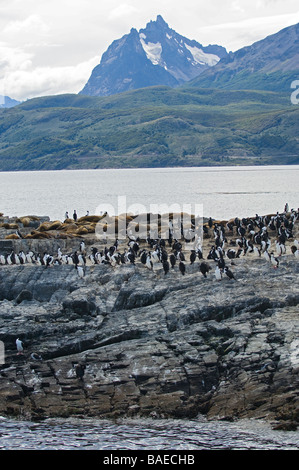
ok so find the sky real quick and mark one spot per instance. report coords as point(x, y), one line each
point(50, 47)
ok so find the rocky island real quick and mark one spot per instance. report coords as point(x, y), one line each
point(167, 334)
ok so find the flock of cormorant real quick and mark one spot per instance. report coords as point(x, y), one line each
point(248, 235)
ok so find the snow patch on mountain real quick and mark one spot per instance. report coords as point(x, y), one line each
point(153, 50)
point(201, 57)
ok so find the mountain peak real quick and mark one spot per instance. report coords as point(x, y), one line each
point(156, 25)
point(160, 21)
point(155, 55)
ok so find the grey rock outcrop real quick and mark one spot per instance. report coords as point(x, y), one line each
point(151, 344)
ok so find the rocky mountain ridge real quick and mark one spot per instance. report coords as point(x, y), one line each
point(269, 64)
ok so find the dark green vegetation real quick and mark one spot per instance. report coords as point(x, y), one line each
point(150, 127)
point(245, 80)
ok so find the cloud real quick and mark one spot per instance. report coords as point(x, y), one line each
point(121, 10)
point(31, 24)
point(237, 7)
point(13, 58)
point(28, 81)
point(247, 31)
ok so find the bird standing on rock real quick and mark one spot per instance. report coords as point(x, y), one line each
point(80, 369)
point(192, 256)
point(149, 263)
point(204, 268)
point(172, 259)
point(182, 268)
point(166, 266)
point(274, 261)
point(218, 273)
point(295, 251)
point(266, 256)
point(19, 345)
point(80, 271)
point(229, 273)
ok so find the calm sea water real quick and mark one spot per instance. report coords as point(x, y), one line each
point(143, 434)
point(224, 192)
